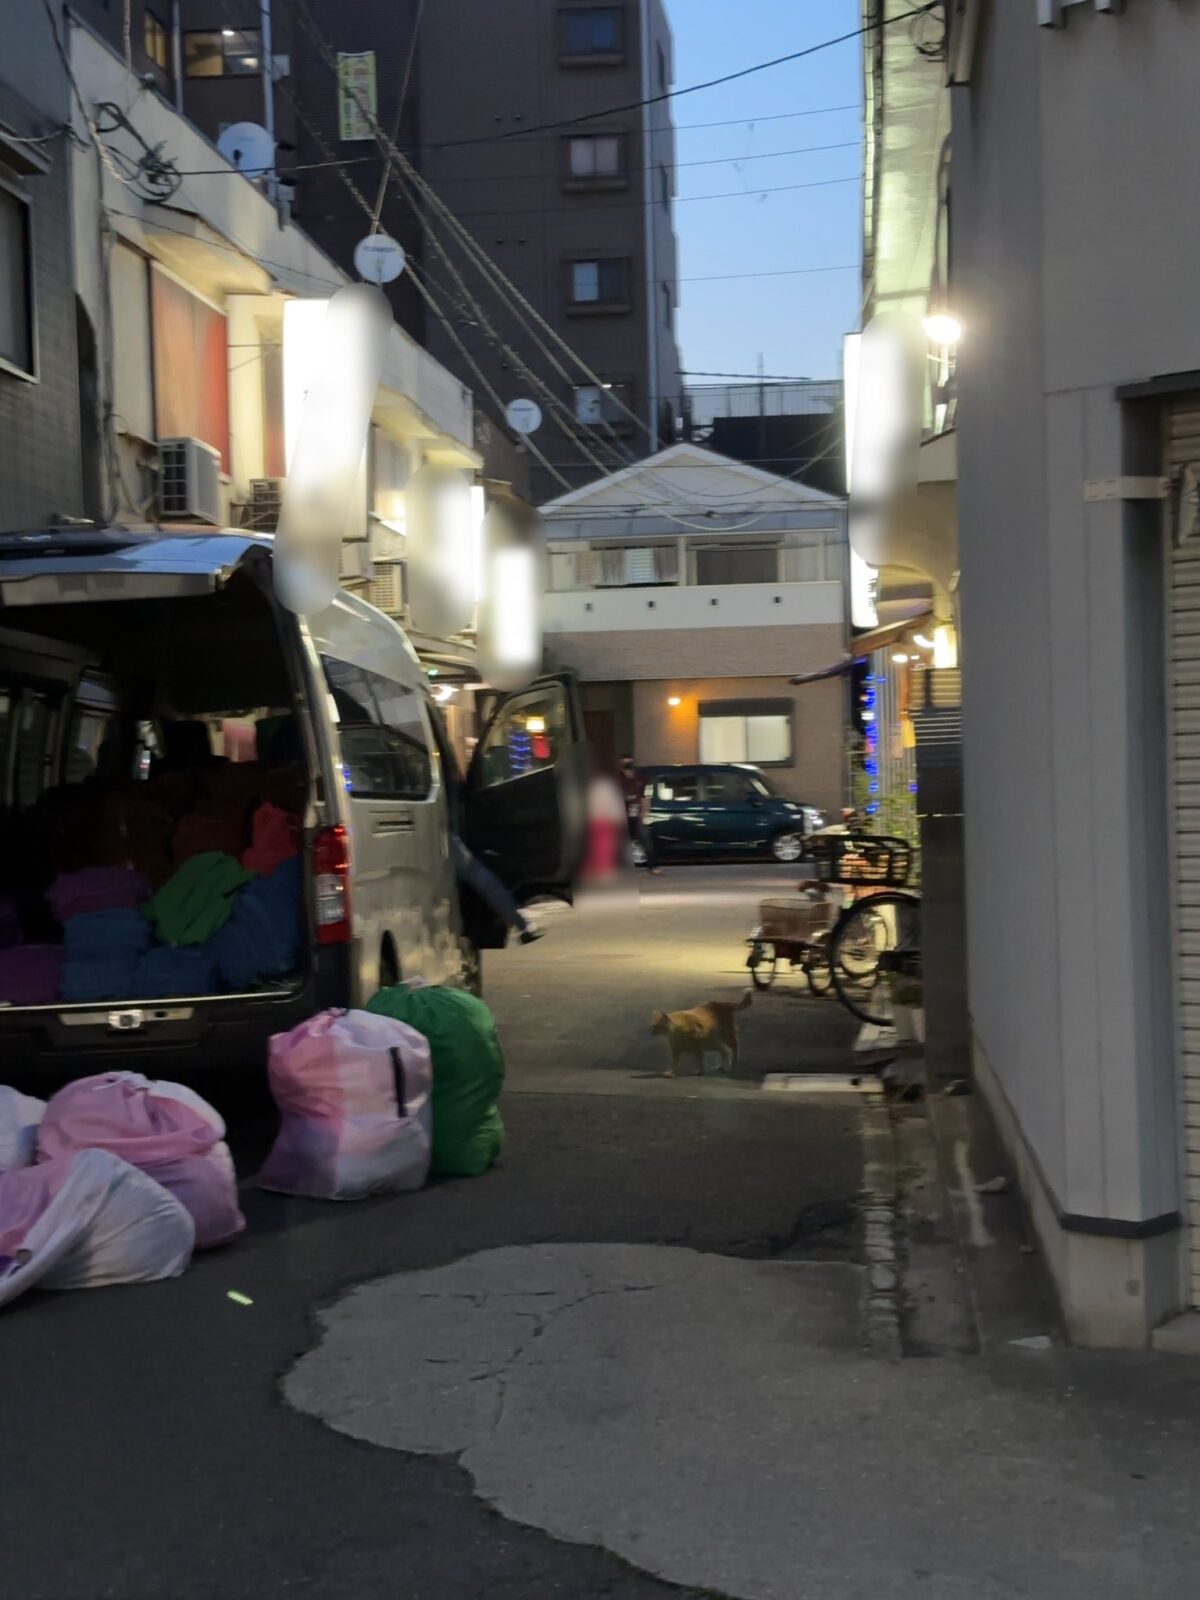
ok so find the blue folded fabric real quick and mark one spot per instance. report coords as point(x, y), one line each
point(263, 936)
point(178, 970)
point(107, 933)
point(96, 979)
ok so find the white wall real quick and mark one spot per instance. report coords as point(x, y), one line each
point(1074, 270)
point(727, 605)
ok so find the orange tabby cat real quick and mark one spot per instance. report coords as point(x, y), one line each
point(709, 1028)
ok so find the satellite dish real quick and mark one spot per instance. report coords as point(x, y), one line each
point(523, 416)
point(378, 259)
point(249, 148)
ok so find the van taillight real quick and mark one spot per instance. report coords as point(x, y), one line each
point(331, 871)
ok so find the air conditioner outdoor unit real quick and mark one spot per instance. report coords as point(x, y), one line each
point(189, 481)
point(262, 509)
point(386, 588)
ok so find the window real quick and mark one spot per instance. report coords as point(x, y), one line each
point(222, 53)
point(758, 731)
point(527, 735)
point(157, 42)
point(593, 31)
point(728, 788)
point(595, 157)
point(385, 752)
point(31, 759)
point(191, 366)
point(628, 566)
point(600, 283)
point(664, 189)
point(736, 564)
point(16, 284)
point(598, 404)
point(663, 79)
point(89, 729)
point(679, 789)
point(667, 303)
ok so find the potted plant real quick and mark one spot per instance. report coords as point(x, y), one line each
point(908, 1009)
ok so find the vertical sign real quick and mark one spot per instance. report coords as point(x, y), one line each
point(356, 95)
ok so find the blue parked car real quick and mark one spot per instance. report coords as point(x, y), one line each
point(729, 811)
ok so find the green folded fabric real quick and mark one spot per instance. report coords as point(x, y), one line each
point(195, 903)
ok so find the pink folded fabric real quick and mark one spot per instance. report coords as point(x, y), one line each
point(30, 974)
point(74, 894)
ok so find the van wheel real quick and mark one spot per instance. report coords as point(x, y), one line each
point(389, 967)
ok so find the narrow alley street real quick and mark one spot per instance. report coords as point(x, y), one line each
point(632, 1357)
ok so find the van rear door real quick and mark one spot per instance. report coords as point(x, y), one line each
point(525, 810)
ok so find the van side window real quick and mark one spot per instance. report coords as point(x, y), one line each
point(727, 788)
point(385, 752)
point(34, 718)
point(85, 738)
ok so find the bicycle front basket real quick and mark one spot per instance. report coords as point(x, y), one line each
point(861, 858)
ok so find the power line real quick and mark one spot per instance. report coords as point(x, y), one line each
point(520, 177)
point(403, 95)
point(782, 272)
point(694, 88)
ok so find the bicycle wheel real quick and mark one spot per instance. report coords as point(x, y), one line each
point(875, 936)
point(762, 965)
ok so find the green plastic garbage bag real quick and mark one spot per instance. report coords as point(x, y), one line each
point(468, 1072)
point(196, 902)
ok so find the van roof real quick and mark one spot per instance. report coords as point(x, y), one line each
point(96, 549)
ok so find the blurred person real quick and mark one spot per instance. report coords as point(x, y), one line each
point(637, 812)
point(606, 828)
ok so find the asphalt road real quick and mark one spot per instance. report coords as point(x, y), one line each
point(150, 1454)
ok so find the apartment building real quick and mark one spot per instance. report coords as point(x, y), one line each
point(578, 214)
point(687, 591)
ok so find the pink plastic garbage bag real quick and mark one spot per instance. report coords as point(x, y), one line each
point(85, 1220)
point(165, 1130)
point(353, 1090)
point(20, 1115)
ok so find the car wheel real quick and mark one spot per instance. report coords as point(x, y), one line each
point(787, 847)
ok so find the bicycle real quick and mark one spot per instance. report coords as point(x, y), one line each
point(875, 944)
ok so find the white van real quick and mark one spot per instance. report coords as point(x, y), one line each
point(153, 696)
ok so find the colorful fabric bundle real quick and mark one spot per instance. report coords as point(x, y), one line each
point(133, 829)
point(103, 949)
point(195, 903)
point(262, 938)
point(353, 1090)
point(468, 1072)
point(276, 839)
point(204, 833)
point(30, 974)
point(95, 889)
point(20, 1115)
point(163, 1129)
point(171, 970)
point(86, 1220)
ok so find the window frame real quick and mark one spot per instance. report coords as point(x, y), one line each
point(599, 307)
point(380, 724)
point(226, 71)
point(153, 24)
point(569, 57)
point(618, 422)
point(12, 186)
point(581, 182)
point(745, 710)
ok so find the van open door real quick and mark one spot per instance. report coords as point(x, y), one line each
point(525, 806)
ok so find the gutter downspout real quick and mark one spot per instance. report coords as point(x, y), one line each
point(177, 55)
point(268, 69)
point(648, 228)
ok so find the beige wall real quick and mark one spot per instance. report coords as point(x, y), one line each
point(699, 652)
point(666, 733)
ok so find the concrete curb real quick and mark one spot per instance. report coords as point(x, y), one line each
point(881, 1308)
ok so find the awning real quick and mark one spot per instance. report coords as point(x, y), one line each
point(866, 644)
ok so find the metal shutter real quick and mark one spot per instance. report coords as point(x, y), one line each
point(1183, 448)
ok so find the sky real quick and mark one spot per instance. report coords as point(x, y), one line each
point(795, 322)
